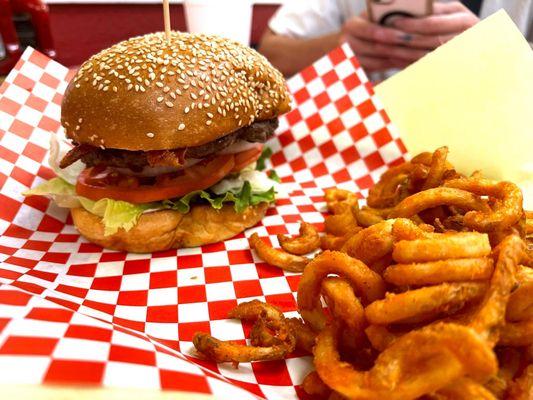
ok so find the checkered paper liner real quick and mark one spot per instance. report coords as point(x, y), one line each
point(74, 312)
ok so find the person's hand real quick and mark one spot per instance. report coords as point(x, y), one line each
point(379, 48)
point(448, 20)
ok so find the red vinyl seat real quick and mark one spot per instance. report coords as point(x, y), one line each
point(40, 22)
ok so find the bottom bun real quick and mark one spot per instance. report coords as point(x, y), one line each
point(168, 229)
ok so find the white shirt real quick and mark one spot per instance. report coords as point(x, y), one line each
point(314, 18)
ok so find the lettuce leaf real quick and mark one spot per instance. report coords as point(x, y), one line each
point(273, 175)
point(118, 214)
point(115, 214)
point(261, 161)
point(59, 190)
point(242, 200)
point(248, 188)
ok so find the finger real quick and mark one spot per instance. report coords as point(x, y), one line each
point(375, 49)
point(364, 29)
point(437, 24)
point(426, 42)
point(375, 64)
point(448, 7)
point(398, 63)
point(379, 64)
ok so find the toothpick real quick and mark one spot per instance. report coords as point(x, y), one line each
point(166, 17)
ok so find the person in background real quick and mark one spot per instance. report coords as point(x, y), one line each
point(304, 30)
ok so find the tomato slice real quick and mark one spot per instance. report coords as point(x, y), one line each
point(97, 183)
point(245, 158)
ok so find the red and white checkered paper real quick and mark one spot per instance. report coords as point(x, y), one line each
point(74, 312)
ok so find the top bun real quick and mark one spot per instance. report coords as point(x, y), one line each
point(149, 94)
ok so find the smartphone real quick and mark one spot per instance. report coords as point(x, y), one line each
point(383, 12)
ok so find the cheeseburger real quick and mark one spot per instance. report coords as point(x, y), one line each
point(168, 142)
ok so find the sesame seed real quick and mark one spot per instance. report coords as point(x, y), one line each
point(160, 99)
point(169, 104)
point(159, 84)
point(150, 134)
point(181, 127)
point(173, 95)
point(208, 122)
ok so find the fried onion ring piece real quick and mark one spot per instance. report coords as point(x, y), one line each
point(313, 385)
point(416, 364)
point(380, 337)
point(529, 222)
point(339, 201)
point(464, 389)
point(365, 282)
point(252, 310)
point(522, 387)
point(422, 158)
point(278, 258)
point(269, 333)
point(491, 313)
point(341, 224)
point(517, 334)
point(307, 242)
point(366, 216)
point(520, 305)
point(440, 196)
point(437, 168)
point(424, 304)
point(332, 242)
point(509, 360)
point(435, 272)
point(304, 335)
point(386, 192)
point(371, 244)
point(441, 247)
point(506, 212)
point(344, 306)
point(221, 351)
point(382, 194)
point(405, 229)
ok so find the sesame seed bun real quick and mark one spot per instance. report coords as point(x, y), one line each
point(163, 230)
point(147, 94)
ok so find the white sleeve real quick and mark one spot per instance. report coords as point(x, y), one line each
point(307, 18)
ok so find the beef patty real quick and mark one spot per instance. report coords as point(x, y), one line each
point(258, 132)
